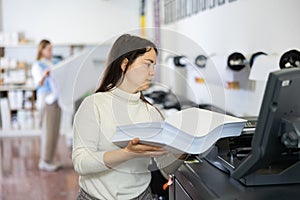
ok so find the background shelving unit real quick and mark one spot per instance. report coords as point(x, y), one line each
point(18, 115)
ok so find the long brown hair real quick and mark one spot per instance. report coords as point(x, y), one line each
point(42, 45)
point(126, 46)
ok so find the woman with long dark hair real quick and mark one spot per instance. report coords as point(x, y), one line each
point(105, 170)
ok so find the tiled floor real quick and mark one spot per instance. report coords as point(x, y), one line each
point(20, 178)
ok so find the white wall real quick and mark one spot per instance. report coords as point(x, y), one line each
point(246, 26)
point(69, 21)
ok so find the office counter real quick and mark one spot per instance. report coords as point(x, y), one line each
point(204, 181)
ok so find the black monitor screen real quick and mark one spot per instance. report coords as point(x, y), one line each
point(273, 151)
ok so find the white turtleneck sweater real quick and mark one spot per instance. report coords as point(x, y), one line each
point(94, 125)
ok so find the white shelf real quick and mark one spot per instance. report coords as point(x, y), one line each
point(18, 133)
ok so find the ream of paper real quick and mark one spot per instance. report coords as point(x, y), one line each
point(192, 130)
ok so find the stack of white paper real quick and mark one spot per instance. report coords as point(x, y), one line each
point(192, 130)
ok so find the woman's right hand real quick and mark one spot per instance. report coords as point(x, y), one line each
point(144, 150)
point(46, 73)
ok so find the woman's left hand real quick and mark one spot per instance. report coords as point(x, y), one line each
point(144, 150)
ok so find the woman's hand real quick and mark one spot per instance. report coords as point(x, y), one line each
point(144, 150)
point(133, 150)
point(46, 73)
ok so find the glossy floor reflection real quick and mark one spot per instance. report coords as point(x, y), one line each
point(20, 178)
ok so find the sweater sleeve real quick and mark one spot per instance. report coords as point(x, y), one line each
point(86, 156)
